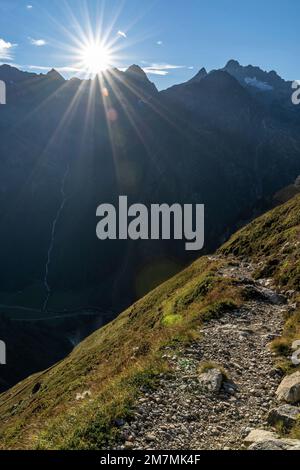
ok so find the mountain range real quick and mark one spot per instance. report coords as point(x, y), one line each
point(228, 139)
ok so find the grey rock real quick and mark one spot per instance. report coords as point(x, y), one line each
point(211, 380)
point(150, 437)
point(290, 443)
point(273, 297)
point(289, 389)
point(128, 445)
point(268, 445)
point(285, 414)
point(259, 435)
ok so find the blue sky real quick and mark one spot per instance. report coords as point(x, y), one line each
point(170, 39)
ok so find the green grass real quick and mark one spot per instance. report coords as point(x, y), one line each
point(172, 319)
point(295, 432)
point(218, 308)
point(283, 346)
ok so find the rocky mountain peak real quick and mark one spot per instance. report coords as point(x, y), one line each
point(137, 75)
point(201, 74)
point(232, 64)
point(55, 75)
point(137, 72)
point(12, 74)
point(254, 77)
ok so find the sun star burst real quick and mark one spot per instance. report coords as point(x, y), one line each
point(95, 57)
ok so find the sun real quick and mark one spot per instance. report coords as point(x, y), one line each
point(95, 58)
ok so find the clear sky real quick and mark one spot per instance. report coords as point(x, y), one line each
point(170, 39)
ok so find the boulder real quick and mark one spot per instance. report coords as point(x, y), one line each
point(285, 414)
point(289, 389)
point(276, 444)
point(273, 297)
point(269, 440)
point(259, 435)
point(291, 444)
point(268, 445)
point(211, 380)
point(295, 447)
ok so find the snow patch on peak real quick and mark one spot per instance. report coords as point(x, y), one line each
point(263, 86)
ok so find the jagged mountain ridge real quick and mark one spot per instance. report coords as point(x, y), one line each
point(256, 80)
point(265, 81)
point(267, 87)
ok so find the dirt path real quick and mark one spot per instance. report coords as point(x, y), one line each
point(179, 415)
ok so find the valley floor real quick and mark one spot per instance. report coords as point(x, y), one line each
point(178, 415)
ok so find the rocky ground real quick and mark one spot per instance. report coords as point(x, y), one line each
point(182, 414)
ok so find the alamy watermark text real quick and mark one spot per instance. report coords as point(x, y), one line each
point(296, 94)
point(2, 353)
point(161, 221)
point(2, 92)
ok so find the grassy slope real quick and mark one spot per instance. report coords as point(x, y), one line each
point(117, 360)
point(112, 364)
